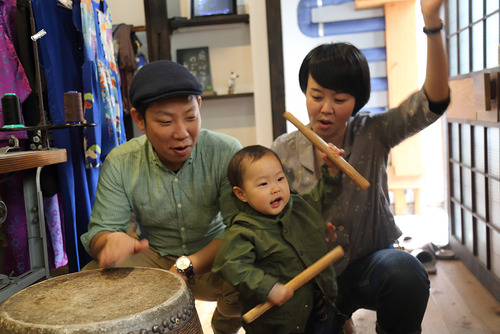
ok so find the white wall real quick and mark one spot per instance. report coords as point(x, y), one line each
point(233, 47)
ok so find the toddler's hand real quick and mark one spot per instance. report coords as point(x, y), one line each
point(279, 294)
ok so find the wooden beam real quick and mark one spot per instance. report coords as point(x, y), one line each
point(275, 49)
point(157, 29)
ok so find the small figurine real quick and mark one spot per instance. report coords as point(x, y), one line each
point(231, 83)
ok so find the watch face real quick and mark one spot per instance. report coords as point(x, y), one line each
point(182, 263)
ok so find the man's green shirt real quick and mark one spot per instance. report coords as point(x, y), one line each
point(179, 213)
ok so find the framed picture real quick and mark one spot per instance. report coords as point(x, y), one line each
point(197, 61)
point(212, 7)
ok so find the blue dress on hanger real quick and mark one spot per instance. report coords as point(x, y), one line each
point(68, 66)
point(102, 95)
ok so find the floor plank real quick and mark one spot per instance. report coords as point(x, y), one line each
point(464, 303)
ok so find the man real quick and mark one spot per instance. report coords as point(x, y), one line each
point(174, 179)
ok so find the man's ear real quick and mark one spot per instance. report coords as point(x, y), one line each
point(141, 123)
point(240, 193)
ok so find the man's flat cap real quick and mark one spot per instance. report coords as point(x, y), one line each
point(161, 79)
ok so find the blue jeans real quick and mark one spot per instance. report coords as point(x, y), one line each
point(391, 282)
point(321, 327)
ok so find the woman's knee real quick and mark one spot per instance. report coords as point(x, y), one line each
point(400, 272)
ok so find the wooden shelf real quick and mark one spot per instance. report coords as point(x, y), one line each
point(176, 23)
point(14, 161)
point(226, 96)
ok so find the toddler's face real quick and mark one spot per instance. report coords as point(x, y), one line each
point(265, 187)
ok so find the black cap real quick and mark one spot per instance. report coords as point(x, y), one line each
point(161, 79)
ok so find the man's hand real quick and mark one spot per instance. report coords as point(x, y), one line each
point(116, 247)
point(279, 294)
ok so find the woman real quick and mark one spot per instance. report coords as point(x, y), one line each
point(336, 82)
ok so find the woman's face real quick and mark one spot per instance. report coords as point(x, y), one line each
point(328, 110)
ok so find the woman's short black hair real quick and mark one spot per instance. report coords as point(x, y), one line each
point(340, 67)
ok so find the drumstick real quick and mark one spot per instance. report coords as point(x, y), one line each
point(299, 280)
point(343, 165)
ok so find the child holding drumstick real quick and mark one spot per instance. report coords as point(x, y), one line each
point(274, 238)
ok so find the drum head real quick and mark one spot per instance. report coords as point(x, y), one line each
point(117, 300)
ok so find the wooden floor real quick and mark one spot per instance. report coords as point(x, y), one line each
point(458, 304)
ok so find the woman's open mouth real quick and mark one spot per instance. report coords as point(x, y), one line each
point(324, 124)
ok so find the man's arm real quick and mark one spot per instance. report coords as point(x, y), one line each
point(203, 259)
point(113, 248)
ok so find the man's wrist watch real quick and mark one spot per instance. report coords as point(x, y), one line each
point(184, 266)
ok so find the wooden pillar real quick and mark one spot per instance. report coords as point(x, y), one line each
point(157, 29)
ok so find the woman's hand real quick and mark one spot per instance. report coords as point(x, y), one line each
point(332, 168)
point(331, 236)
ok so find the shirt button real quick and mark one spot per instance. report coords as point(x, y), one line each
point(341, 228)
point(176, 180)
point(179, 205)
point(183, 229)
point(184, 246)
point(285, 230)
point(306, 306)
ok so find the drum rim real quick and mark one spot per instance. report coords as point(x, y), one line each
point(110, 325)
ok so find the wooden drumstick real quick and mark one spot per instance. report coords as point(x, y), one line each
point(299, 280)
point(343, 165)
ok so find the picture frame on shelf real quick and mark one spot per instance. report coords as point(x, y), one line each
point(197, 61)
point(212, 7)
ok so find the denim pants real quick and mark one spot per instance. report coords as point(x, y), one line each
point(391, 282)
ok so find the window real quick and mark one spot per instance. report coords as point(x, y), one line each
point(473, 35)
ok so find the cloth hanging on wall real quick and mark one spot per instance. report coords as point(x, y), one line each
point(13, 78)
point(16, 76)
point(62, 58)
point(77, 55)
point(103, 100)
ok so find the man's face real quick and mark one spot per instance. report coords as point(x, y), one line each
point(172, 126)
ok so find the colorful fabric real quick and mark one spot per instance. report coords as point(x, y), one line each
point(102, 96)
point(55, 242)
point(13, 78)
point(16, 260)
point(61, 58)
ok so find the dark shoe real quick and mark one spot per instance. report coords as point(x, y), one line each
point(427, 259)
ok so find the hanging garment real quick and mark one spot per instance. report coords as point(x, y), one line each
point(61, 58)
point(13, 78)
point(124, 40)
point(103, 100)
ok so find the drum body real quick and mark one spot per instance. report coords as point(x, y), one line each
point(116, 300)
